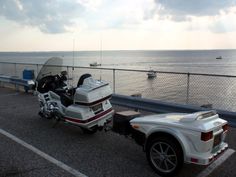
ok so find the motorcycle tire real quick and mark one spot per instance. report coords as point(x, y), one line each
point(89, 131)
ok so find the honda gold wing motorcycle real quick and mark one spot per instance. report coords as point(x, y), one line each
point(87, 105)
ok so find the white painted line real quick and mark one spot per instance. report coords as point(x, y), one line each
point(43, 155)
point(216, 163)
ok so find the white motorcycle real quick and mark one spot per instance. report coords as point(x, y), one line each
point(86, 105)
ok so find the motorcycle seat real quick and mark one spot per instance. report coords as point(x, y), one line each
point(60, 90)
point(82, 78)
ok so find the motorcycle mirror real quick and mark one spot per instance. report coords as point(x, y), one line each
point(64, 73)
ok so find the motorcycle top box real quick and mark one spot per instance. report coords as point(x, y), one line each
point(87, 105)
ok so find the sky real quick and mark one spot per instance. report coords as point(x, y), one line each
point(66, 25)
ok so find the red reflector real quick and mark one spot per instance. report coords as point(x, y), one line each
point(225, 127)
point(210, 159)
point(206, 136)
point(194, 160)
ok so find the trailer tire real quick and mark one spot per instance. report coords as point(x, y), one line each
point(164, 155)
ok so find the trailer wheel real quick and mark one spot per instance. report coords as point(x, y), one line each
point(89, 131)
point(164, 155)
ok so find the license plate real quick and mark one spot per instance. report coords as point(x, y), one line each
point(98, 108)
point(217, 140)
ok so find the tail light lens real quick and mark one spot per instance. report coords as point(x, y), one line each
point(206, 136)
point(225, 127)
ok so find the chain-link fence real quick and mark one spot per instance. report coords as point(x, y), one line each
point(216, 91)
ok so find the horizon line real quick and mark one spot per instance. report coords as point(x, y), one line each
point(111, 50)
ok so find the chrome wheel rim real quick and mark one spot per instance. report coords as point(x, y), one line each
point(163, 157)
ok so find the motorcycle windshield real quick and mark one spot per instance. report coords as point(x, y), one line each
point(52, 66)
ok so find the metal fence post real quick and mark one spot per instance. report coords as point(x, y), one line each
point(187, 96)
point(37, 69)
point(16, 87)
point(68, 75)
point(114, 81)
point(67, 69)
point(15, 69)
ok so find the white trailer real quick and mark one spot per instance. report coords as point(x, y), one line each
point(170, 140)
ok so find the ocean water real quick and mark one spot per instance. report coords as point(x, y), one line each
point(197, 61)
point(220, 92)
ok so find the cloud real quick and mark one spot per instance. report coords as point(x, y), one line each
point(202, 15)
point(51, 16)
point(58, 16)
point(221, 23)
point(179, 10)
point(120, 13)
point(224, 24)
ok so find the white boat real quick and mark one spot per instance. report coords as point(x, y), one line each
point(95, 64)
point(152, 74)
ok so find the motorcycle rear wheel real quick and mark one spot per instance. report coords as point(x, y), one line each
point(89, 131)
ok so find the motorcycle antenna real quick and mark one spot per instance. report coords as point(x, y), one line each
point(73, 60)
point(100, 55)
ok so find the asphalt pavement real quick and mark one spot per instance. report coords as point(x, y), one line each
point(104, 154)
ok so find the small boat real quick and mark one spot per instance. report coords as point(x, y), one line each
point(152, 74)
point(219, 57)
point(94, 64)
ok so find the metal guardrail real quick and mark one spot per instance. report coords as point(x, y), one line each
point(16, 81)
point(156, 106)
